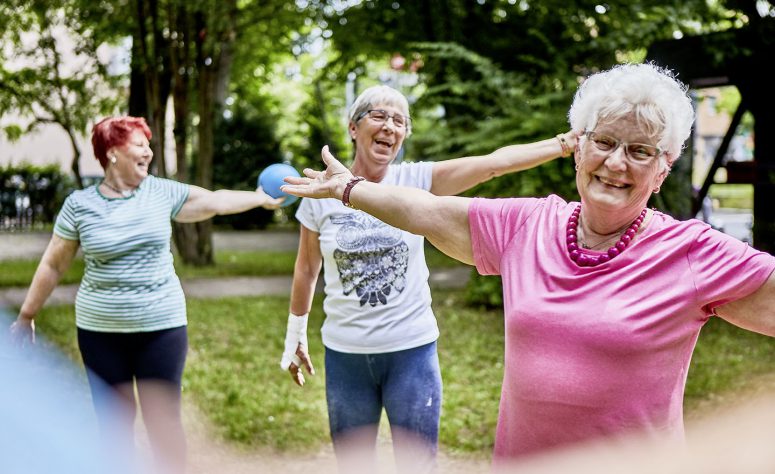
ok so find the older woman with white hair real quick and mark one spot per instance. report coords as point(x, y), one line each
point(603, 299)
point(380, 332)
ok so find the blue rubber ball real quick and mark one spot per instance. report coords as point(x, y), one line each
point(271, 179)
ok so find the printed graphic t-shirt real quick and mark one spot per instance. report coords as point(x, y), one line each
point(377, 297)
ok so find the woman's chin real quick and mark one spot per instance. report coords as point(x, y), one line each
point(610, 201)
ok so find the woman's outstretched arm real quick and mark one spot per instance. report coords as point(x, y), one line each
point(460, 174)
point(443, 220)
point(203, 204)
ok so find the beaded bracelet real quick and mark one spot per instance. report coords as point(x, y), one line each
point(349, 187)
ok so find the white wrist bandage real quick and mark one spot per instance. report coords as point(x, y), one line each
point(295, 335)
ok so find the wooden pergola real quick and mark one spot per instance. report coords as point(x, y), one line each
point(739, 58)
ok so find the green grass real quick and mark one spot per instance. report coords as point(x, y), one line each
point(232, 263)
point(726, 357)
point(227, 264)
point(233, 375)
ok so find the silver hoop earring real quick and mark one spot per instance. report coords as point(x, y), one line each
point(656, 190)
point(577, 166)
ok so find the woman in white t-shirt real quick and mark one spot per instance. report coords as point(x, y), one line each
point(380, 332)
point(130, 309)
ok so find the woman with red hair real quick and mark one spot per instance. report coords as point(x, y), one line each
point(130, 307)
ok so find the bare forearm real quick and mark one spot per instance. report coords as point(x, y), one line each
point(55, 262)
point(302, 294)
point(309, 260)
point(203, 204)
point(43, 284)
point(233, 202)
point(455, 176)
point(755, 312)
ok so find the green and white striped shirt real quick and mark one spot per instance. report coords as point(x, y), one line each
point(129, 282)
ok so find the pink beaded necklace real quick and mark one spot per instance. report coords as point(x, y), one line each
point(584, 260)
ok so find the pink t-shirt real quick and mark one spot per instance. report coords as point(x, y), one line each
point(599, 351)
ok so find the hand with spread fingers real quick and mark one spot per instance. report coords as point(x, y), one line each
point(328, 183)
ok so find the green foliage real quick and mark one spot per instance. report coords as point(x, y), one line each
point(484, 291)
point(48, 75)
point(13, 132)
point(45, 186)
point(434, 258)
point(245, 144)
point(490, 108)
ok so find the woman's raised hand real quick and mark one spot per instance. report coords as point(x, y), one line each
point(329, 183)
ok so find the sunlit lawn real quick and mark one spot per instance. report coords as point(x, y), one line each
point(234, 378)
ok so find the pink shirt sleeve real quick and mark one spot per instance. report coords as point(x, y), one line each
point(493, 224)
point(726, 269)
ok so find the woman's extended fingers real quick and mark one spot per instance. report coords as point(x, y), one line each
point(306, 360)
point(319, 184)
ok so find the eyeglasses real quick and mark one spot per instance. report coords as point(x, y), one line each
point(639, 153)
point(382, 116)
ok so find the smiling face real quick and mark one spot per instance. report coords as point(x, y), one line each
point(132, 159)
point(612, 182)
point(377, 143)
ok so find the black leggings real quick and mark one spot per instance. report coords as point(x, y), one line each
point(117, 358)
point(121, 357)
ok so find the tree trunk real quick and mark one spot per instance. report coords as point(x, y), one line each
point(204, 168)
point(76, 166)
point(764, 158)
point(213, 64)
point(185, 236)
point(156, 70)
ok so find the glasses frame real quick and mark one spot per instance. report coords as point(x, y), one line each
point(590, 134)
point(388, 116)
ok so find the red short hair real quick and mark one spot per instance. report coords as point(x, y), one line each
point(115, 131)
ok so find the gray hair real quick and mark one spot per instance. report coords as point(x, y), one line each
point(376, 95)
point(651, 93)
